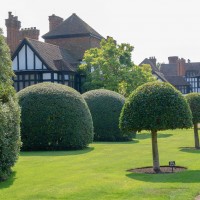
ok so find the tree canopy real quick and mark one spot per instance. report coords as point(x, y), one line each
point(194, 102)
point(110, 67)
point(6, 72)
point(9, 114)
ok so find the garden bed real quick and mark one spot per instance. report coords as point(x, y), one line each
point(163, 169)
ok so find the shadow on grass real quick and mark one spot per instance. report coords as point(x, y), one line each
point(188, 176)
point(8, 182)
point(189, 149)
point(57, 153)
point(142, 136)
point(113, 143)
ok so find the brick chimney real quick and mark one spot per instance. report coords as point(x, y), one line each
point(173, 59)
point(153, 60)
point(181, 67)
point(13, 26)
point(54, 21)
point(32, 33)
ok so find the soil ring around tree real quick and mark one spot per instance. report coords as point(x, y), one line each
point(163, 170)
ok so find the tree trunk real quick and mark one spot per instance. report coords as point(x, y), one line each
point(156, 164)
point(196, 136)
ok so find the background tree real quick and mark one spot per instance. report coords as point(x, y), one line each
point(9, 114)
point(110, 67)
point(155, 106)
point(194, 102)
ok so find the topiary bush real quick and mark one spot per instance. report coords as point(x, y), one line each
point(9, 114)
point(155, 106)
point(105, 107)
point(194, 102)
point(54, 117)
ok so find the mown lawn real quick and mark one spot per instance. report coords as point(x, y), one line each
point(99, 172)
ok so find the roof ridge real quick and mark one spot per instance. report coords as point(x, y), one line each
point(41, 42)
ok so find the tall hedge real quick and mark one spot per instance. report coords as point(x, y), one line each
point(105, 107)
point(155, 106)
point(54, 117)
point(9, 114)
point(194, 102)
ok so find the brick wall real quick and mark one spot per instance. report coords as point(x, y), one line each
point(76, 46)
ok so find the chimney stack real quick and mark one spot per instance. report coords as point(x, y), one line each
point(153, 60)
point(173, 59)
point(13, 26)
point(54, 21)
point(181, 67)
point(32, 33)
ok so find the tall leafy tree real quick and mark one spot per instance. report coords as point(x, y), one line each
point(155, 106)
point(9, 114)
point(111, 67)
point(6, 72)
point(194, 102)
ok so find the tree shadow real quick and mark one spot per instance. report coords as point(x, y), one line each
point(113, 143)
point(188, 176)
point(9, 181)
point(57, 153)
point(189, 149)
point(142, 136)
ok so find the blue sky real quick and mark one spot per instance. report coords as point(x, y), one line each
point(159, 28)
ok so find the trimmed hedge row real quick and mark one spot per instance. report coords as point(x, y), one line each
point(105, 107)
point(54, 117)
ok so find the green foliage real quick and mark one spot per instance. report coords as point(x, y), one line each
point(105, 107)
point(110, 67)
point(194, 101)
point(9, 137)
point(9, 115)
point(54, 117)
point(138, 75)
point(155, 106)
point(6, 73)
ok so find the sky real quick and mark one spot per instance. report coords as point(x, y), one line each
point(159, 28)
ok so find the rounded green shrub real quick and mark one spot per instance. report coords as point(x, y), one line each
point(54, 117)
point(9, 136)
point(105, 107)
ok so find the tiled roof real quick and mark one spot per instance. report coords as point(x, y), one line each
point(51, 54)
point(154, 68)
point(72, 27)
point(169, 69)
point(177, 80)
point(192, 66)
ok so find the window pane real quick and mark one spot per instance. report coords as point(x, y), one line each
point(32, 77)
point(66, 77)
point(55, 76)
point(46, 76)
point(26, 77)
point(21, 86)
point(20, 77)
